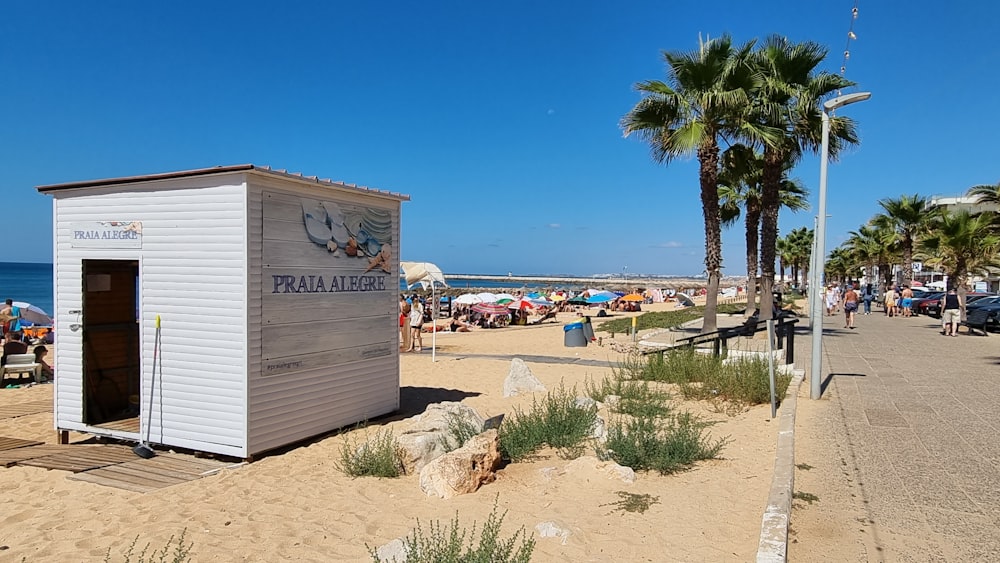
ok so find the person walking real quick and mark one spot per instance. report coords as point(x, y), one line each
point(890, 301)
point(831, 300)
point(867, 296)
point(906, 302)
point(850, 307)
point(951, 314)
point(416, 326)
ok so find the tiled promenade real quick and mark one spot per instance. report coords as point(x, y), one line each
point(902, 452)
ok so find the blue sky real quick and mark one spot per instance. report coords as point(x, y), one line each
point(500, 120)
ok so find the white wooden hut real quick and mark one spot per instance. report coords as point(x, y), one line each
point(276, 296)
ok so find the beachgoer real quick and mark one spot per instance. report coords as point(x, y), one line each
point(47, 372)
point(459, 324)
point(951, 314)
point(8, 310)
point(850, 307)
point(404, 323)
point(831, 300)
point(13, 345)
point(867, 295)
point(890, 301)
point(906, 303)
point(416, 325)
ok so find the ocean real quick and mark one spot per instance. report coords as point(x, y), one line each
point(31, 283)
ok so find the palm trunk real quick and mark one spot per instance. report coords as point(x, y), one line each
point(907, 260)
point(770, 191)
point(752, 223)
point(708, 176)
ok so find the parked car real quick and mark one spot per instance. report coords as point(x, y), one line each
point(988, 306)
point(920, 304)
point(934, 309)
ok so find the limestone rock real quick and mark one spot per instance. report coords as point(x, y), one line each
point(394, 551)
point(428, 436)
point(584, 403)
point(465, 469)
point(552, 530)
point(520, 380)
point(599, 430)
point(609, 468)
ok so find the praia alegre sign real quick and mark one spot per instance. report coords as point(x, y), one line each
point(326, 284)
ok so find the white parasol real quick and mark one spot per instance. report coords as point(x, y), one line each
point(426, 274)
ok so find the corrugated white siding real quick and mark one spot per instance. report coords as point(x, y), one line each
point(341, 348)
point(193, 274)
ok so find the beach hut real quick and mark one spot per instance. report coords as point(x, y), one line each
point(231, 310)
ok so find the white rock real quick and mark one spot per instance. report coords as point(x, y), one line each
point(584, 403)
point(520, 380)
point(551, 530)
point(428, 436)
point(394, 551)
point(599, 429)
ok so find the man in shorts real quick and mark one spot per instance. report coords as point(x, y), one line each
point(906, 303)
point(951, 314)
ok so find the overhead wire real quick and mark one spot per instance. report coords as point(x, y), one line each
point(851, 36)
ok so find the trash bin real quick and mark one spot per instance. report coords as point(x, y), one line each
point(588, 329)
point(573, 335)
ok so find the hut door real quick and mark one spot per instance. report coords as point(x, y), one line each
point(110, 340)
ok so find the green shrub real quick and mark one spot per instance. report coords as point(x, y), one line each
point(556, 421)
point(448, 544)
point(378, 456)
point(648, 444)
point(739, 383)
point(637, 398)
point(176, 554)
point(460, 430)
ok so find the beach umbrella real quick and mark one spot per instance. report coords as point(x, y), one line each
point(557, 297)
point(467, 299)
point(487, 297)
point(426, 274)
point(521, 304)
point(502, 296)
point(684, 300)
point(578, 300)
point(32, 314)
point(633, 297)
point(490, 309)
point(602, 297)
point(504, 301)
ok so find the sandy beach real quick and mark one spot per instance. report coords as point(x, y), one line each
point(294, 505)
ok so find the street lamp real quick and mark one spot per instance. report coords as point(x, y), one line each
point(815, 389)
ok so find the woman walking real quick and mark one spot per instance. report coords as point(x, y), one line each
point(416, 325)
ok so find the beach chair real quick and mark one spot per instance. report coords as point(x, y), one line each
point(21, 363)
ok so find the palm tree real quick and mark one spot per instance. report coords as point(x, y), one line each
point(798, 244)
point(740, 186)
point(985, 194)
point(789, 100)
point(868, 246)
point(706, 92)
point(963, 244)
point(907, 218)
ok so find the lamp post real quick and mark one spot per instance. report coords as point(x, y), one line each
point(815, 388)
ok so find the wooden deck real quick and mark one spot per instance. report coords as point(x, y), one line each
point(111, 465)
point(24, 409)
point(11, 443)
point(144, 475)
